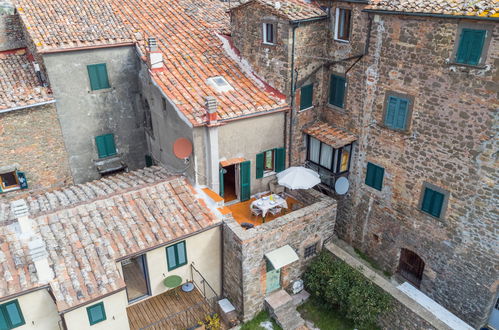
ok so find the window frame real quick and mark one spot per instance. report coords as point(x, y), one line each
point(333, 75)
point(177, 264)
point(4, 188)
point(90, 79)
point(338, 21)
point(302, 107)
point(107, 154)
point(306, 251)
point(485, 48)
point(6, 316)
point(410, 105)
point(265, 41)
point(265, 169)
point(90, 320)
point(445, 201)
point(376, 168)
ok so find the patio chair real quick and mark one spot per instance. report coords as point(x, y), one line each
point(275, 210)
point(256, 211)
point(275, 188)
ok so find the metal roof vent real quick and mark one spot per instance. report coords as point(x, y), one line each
point(220, 84)
point(153, 44)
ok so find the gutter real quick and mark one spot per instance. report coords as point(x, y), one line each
point(391, 12)
point(27, 106)
point(72, 49)
point(306, 20)
point(251, 115)
point(15, 295)
point(61, 313)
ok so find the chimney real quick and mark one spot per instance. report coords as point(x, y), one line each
point(155, 57)
point(211, 110)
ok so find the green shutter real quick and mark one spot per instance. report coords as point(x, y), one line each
point(432, 202)
point(105, 145)
point(280, 159)
point(149, 162)
point(374, 176)
point(171, 257)
point(4, 325)
point(23, 182)
point(470, 46)
point(97, 74)
point(401, 114)
point(245, 176)
point(181, 253)
point(221, 180)
point(306, 96)
point(427, 197)
point(259, 165)
point(390, 111)
point(110, 146)
point(337, 91)
point(96, 313)
point(11, 315)
point(176, 255)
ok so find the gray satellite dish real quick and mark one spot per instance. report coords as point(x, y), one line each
point(341, 186)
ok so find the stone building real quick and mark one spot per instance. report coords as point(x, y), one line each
point(414, 87)
point(31, 144)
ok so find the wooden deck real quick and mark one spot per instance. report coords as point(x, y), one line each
point(168, 311)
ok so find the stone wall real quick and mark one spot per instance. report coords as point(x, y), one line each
point(31, 140)
point(451, 143)
point(244, 250)
point(11, 36)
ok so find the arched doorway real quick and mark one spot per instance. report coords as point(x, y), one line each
point(411, 267)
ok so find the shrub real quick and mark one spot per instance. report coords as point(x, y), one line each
point(346, 289)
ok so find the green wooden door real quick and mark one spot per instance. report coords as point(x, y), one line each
point(245, 178)
point(273, 280)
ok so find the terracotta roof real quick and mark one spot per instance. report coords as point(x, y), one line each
point(188, 33)
point(293, 10)
point(86, 228)
point(332, 136)
point(19, 85)
point(485, 8)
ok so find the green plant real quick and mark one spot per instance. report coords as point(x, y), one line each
point(254, 324)
point(346, 289)
point(211, 322)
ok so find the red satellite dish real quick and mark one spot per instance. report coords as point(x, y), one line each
point(182, 148)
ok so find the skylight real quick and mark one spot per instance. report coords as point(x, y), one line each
point(220, 84)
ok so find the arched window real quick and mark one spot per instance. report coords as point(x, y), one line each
point(411, 267)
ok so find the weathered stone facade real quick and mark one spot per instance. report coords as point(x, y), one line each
point(244, 263)
point(31, 140)
point(11, 36)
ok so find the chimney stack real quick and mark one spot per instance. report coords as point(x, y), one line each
point(211, 110)
point(155, 57)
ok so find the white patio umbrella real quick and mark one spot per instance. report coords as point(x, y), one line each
point(298, 177)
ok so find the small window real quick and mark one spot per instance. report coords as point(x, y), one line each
point(176, 255)
point(470, 48)
point(268, 33)
point(306, 96)
point(148, 119)
point(269, 161)
point(98, 76)
point(337, 88)
point(10, 315)
point(397, 113)
point(164, 104)
point(344, 163)
point(433, 202)
point(374, 176)
point(9, 180)
point(105, 145)
point(310, 251)
point(342, 31)
point(96, 313)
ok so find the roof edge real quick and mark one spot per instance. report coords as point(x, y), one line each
point(392, 12)
point(21, 293)
point(73, 49)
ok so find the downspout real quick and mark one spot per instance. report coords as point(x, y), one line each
point(292, 92)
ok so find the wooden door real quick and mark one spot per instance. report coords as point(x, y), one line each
point(411, 267)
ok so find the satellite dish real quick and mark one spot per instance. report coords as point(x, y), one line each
point(182, 148)
point(341, 186)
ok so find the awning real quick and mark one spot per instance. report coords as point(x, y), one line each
point(282, 256)
point(332, 136)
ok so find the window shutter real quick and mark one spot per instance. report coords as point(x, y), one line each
point(245, 170)
point(171, 257)
point(97, 74)
point(100, 142)
point(436, 205)
point(23, 182)
point(401, 114)
point(259, 165)
point(3, 320)
point(370, 175)
point(378, 178)
point(337, 91)
point(110, 146)
point(14, 313)
point(306, 96)
point(470, 46)
point(280, 159)
point(94, 77)
point(102, 73)
point(390, 111)
point(149, 162)
point(181, 254)
point(221, 180)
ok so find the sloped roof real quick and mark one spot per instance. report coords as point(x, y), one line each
point(19, 85)
point(484, 8)
point(188, 36)
point(87, 227)
point(332, 136)
point(293, 10)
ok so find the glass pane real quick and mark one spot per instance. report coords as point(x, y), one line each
point(269, 162)
point(326, 155)
point(181, 253)
point(172, 261)
point(314, 150)
point(135, 277)
point(345, 155)
point(14, 314)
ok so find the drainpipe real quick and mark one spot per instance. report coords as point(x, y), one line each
point(212, 145)
point(292, 93)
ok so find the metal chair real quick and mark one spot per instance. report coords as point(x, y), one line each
point(275, 210)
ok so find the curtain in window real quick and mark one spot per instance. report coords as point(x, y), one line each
point(326, 155)
point(314, 149)
point(345, 157)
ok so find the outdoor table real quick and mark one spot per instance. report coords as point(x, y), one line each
point(172, 281)
point(266, 203)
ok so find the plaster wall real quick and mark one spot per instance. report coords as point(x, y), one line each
point(85, 114)
point(116, 316)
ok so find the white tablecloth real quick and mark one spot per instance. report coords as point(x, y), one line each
point(265, 203)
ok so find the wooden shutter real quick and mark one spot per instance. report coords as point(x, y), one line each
point(100, 142)
point(245, 178)
point(221, 181)
point(181, 254)
point(306, 96)
point(12, 315)
point(94, 77)
point(171, 257)
point(3, 320)
point(259, 165)
point(401, 114)
point(374, 176)
point(280, 159)
point(96, 313)
point(428, 196)
point(470, 46)
point(370, 175)
point(23, 182)
point(337, 91)
point(98, 76)
point(110, 146)
point(432, 202)
point(391, 108)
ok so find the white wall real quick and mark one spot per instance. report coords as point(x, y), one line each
point(116, 316)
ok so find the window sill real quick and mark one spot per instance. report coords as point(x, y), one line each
point(306, 109)
point(268, 44)
point(463, 65)
point(342, 41)
point(99, 91)
point(441, 218)
point(335, 107)
point(10, 189)
point(267, 174)
point(403, 132)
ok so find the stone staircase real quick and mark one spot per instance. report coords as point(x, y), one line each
point(283, 310)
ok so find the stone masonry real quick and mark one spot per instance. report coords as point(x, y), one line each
point(11, 36)
point(31, 140)
point(244, 263)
